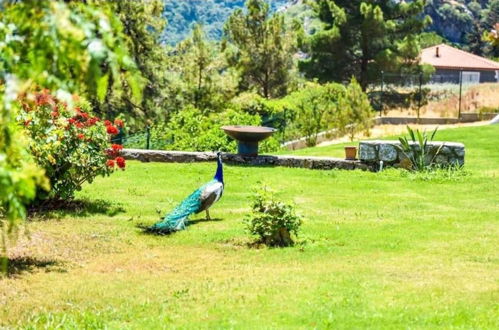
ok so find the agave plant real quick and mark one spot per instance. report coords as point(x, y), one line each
point(416, 149)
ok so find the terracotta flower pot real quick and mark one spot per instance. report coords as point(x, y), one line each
point(351, 153)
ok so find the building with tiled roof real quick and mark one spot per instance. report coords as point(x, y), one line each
point(450, 63)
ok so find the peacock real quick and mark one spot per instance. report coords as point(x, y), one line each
point(200, 200)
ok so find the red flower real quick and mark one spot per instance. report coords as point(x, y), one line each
point(81, 136)
point(121, 162)
point(72, 120)
point(54, 114)
point(107, 123)
point(91, 122)
point(27, 122)
point(44, 98)
point(84, 115)
point(112, 130)
point(79, 125)
point(110, 163)
point(117, 147)
point(119, 123)
point(111, 153)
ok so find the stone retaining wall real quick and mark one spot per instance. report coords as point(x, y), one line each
point(372, 152)
point(322, 163)
point(334, 133)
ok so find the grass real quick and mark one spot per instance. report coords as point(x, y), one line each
point(377, 250)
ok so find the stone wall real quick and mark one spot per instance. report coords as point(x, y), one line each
point(372, 152)
point(334, 133)
point(322, 163)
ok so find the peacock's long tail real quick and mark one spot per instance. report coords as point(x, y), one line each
point(177, 219)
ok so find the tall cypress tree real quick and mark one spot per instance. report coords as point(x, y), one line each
point(363, 37)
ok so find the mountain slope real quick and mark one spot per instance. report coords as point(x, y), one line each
point(212, 14)
point(459, 21)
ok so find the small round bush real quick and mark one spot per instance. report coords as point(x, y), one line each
point(272, 220)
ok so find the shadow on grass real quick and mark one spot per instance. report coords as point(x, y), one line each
point(146, 229)
point(18, 266)
point(196, 221)
point(77, 208)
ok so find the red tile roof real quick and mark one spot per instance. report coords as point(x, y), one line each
point(453, 58)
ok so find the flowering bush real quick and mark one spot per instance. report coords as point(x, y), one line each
point(69, 142)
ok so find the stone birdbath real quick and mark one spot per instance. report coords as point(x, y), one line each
point(248, 137)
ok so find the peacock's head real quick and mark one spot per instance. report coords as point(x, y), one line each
point(219, 154)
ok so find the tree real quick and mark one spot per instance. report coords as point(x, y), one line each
point(361, 38)
point(473, 38)
point(201, 73)
point(143, 24)
point(491, 15)
point(493, 36)
point(491, 29)
point(428, 39)
point(355, 110)
point(261, 49)
point(332, 106)
point(211, 14)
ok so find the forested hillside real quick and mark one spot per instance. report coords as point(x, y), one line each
point(462, 22)
point(212, 14)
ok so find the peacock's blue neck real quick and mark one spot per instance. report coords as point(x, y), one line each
point(219, 176)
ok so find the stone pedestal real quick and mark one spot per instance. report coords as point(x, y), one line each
point(373, 152)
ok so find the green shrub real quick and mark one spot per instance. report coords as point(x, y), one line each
point(272, 220)
point(192, 130)
point(68, 143)
point(420, 155)
point(316, 108)
point(19, 179)
point(355, 111)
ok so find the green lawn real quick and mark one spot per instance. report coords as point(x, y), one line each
point(377, 250)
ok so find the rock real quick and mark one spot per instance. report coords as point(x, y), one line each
point(459, 151)
point(445, 151)
point(367, 152)
point(391, 155)
point(441, 159)
point(388, 153)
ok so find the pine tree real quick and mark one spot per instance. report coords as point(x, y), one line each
point(261, 48)
point(201, 73)
point(143, 24)
point(362, 38)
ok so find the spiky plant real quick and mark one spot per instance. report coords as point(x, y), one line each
point(416, 149)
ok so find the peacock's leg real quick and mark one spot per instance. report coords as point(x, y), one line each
point(208, 215)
